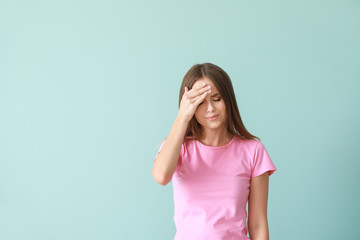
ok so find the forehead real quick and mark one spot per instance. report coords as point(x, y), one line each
point(200, 81)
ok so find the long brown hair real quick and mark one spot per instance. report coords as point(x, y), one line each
point(223, 83)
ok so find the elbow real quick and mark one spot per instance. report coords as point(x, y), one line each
point(160, 178)
point(259, 231)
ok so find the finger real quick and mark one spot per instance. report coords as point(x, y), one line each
point(201, 97)
point(199, 86)
point(198, 92)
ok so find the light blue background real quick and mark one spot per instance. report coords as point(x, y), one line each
point(88, 89)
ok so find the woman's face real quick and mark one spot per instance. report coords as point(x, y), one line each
point(213, 105)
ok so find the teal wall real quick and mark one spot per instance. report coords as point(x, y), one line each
point(88, 89)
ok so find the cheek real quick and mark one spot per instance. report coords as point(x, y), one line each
point(198, 112)
point(223, 107)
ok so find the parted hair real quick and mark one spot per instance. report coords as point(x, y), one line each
point(223, 83)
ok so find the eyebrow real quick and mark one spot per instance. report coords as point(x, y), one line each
point(214, 95)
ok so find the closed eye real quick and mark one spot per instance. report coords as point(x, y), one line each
point(216, 100)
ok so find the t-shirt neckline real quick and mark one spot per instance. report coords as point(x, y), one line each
point(219, 147)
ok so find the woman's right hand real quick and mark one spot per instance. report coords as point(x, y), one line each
point(191, 100)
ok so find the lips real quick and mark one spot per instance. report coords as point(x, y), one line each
point(212, 117)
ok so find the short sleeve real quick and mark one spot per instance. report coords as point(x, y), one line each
point(162, 144)
point(180, 156)
point(261, 161)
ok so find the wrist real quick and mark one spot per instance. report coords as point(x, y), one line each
point(182, 119)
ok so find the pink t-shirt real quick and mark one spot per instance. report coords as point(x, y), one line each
point(211, 188)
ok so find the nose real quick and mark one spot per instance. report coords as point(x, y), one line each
point(210, 107)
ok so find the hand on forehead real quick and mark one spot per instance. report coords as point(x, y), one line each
point(201, 81)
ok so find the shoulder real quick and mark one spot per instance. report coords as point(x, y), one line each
point(249, 143)
point(250, 147)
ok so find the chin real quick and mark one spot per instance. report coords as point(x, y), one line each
point(213, 125)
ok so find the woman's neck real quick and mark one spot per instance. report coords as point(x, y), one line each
point(217, 140)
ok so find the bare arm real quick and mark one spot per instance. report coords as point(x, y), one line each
point(167, 159)
point(258, 197)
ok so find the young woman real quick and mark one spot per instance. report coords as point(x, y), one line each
point(215, 164)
